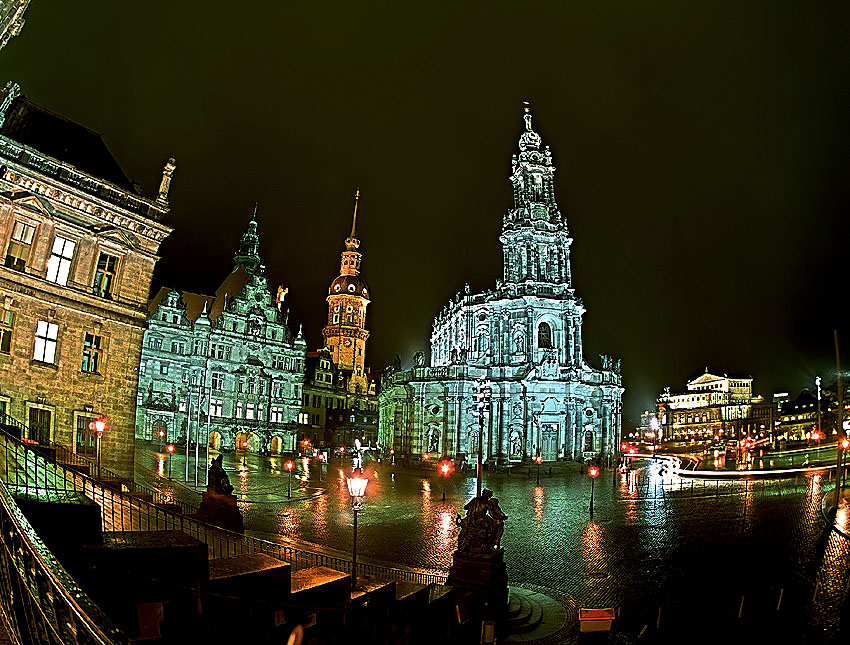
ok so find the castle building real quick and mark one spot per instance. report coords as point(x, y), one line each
point(79, 246)
point(524, 336)
point(345, 334)
point(339, 395)
point(223, 369)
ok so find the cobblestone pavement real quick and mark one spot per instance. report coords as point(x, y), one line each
point(677, 557)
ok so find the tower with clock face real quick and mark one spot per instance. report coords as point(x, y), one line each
point(345, 334)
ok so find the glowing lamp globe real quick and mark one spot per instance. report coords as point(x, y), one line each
point(289, 465)
point(99, 425)
point(169, 448)
point(357, 484)
point(593, 471)
point(445, 468)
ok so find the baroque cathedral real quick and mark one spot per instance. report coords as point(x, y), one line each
point(524, 336)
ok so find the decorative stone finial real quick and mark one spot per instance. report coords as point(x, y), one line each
point(167, 172)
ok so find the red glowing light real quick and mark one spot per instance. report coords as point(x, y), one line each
point(593, 471)
point(445, 468)
point(169, 448)
point(289, 465)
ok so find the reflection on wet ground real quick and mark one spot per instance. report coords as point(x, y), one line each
point(693, 548)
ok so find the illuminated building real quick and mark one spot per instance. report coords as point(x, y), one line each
point(715, 406)
point(525, 336)
point(339, 396)
point(11, 19)
point(233, 353)
point(79, 246)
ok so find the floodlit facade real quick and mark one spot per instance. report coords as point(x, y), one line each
point(79, 246)
point(223, 368)
point(715, 407)
point(525, 337)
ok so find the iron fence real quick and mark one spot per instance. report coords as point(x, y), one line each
point(26, 468)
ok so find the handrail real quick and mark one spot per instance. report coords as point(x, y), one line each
point(37, 586)
point(121, 512)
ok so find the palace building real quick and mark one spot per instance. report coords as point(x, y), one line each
point(224, 368)
point(524, 336)
point(79, 246)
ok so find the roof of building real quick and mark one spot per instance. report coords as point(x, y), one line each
point(349, 284)
point(53, 135)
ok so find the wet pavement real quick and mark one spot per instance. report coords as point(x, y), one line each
point(740, 559)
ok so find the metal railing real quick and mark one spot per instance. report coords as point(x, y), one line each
point(27, 469)
point(40, 602)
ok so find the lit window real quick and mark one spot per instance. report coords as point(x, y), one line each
point(239, 409)
point(59, 263)
point(20, 246)
point(277, 415)
point(163, 368)
point(7, 319)
point(104, 276)
point(92, 353)
point(216, 407)
point(249, 410)
point(46, 334)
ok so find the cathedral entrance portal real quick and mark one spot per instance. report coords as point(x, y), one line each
point(549, 441)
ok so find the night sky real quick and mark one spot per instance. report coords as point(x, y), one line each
point(702, 156)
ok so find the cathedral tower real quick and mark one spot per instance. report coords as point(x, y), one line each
point(535, 239)
point(348, 296)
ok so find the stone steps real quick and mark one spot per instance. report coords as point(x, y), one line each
point(524, 614)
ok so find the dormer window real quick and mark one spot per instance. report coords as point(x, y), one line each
point(544, 336)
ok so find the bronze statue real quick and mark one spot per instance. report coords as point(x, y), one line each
point(217, 479)
point(481, 529)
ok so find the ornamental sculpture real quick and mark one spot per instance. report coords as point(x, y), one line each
point(481, 529)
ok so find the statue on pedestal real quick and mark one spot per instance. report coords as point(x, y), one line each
point(218, 503)
point(481, 529)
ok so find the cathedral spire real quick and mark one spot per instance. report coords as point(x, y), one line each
point(534, 233)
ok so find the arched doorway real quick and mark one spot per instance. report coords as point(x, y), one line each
point(215, 440)
point(276, 446)
point(252, 440)
point(159, 430)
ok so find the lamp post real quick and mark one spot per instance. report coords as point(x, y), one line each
point(170, 450)
point(356, 489)
point(481, 388)
point(593, 471)
point(845, 444)
point(161, 434)
point(321, 457)
point(538, 459)
point(99, 426)
point(244, 445)
point(445, 471)
point(426, 457)
point(290, 466)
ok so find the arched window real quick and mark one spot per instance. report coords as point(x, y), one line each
point(544, 336)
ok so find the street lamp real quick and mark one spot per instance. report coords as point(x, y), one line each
point(593, 471)
point(170, 450)
point(244, 445)
point(161, 434)
point(445, 469)
point(426, 457)
point(538, 459)
point(356, 489)
point(481, 398)
point(845, 444)
point(98, 426)
point(321, 457)
point(290, 466)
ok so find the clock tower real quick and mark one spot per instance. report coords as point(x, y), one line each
point(348, 296)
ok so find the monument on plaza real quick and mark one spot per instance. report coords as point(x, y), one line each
point(478, 564)
point(218, 505)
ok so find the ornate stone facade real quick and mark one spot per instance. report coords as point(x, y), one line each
point(11, 19)
point(79, 247)
point(525, 336)
point(233, 353)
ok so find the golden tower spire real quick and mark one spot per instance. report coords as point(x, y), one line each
point(354, 221)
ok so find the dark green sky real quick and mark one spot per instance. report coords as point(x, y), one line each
point(702, 153)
